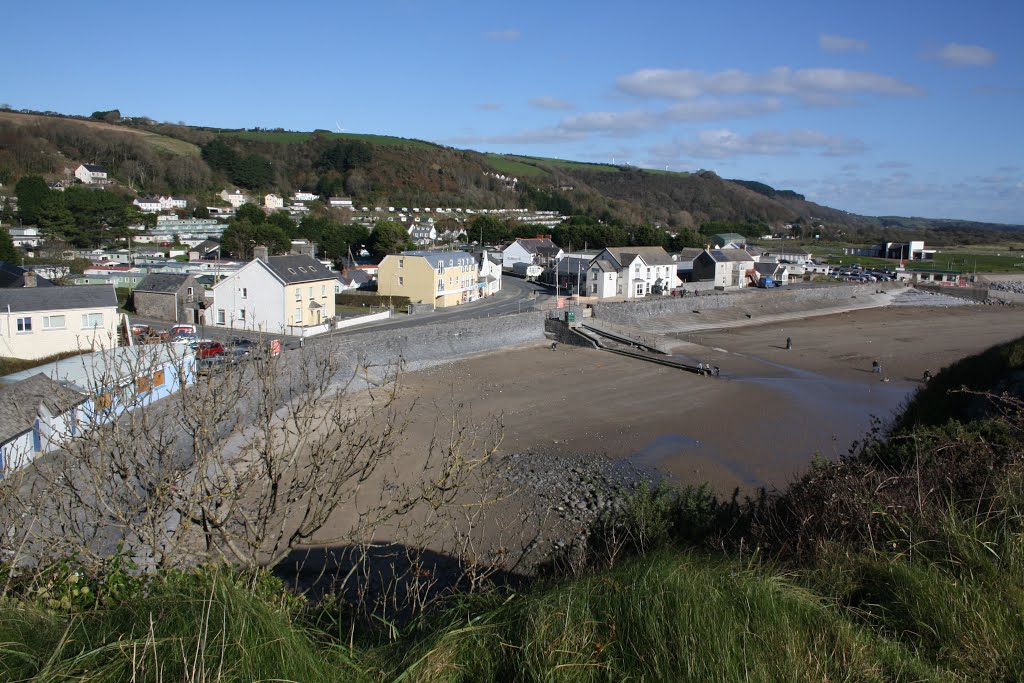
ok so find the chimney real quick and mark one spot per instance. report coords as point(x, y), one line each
point(260, 252)
point(30, 278)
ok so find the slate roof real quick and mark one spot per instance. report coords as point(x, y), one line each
point(14, 276)
point(162, 283)
point(724, 238)
point(19, 403)
point(652, 256)
point(734, 255)
point(299, 268)
point(30, 299)
point(604, 265)
point(436, 258)
point(94, 168)
point(538, 245)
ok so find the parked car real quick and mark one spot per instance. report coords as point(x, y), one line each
point(211, 365)
point(209, 349)
point(180, 330)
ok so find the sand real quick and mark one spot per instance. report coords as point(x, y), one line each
point(759, 424)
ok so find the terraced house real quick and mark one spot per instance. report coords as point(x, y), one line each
point(441, 278)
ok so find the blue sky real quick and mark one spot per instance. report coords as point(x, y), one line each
point(897, 107)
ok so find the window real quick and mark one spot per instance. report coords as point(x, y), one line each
point(158, 378)
point(298, 294)
point(241, 314)
point(53, 322)
point(245, 292)
point(142, 385)
point(312, 269)
point(24, 324)
point(102, 402)
point(401, 263)
point(310, 291)
point(440, 285)
point(298, 315)
point(220, 316)
point(92, 320)
point(401, 281)
point(301, 269)
point(323, 291)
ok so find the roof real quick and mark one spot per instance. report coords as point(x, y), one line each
point(20, 401)
point(734, 255)
point(652, 256)
point(12, 276)
point(94, 168)
point(538, 245)
point(29, 299)
point(727, 237)
point(88, 372)
point(438, 258)
point(690, 253)
point(604, 265)
point(298, 268)
point(165, 283)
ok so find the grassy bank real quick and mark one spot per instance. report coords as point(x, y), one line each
point(901, 562)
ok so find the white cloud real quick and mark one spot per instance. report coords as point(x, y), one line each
point(683, 84)
point(723, 143)
point(549, 102)
point(508, 35)
point(957, 54)
point(717, 110)
point(634, 121)
point(834, 43)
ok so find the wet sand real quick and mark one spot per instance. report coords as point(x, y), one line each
point(758, 424)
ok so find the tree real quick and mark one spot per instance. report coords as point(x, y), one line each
point(388, 237)
point(33, 194)
point(488, 228)
point(8, 252)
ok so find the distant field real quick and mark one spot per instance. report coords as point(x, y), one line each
point(161, 142)
point(299, 136)
point(510, 165)
point(966, 262)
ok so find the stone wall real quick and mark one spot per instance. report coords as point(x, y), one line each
point(972, 293)
point(159, 305)
point(828, 294)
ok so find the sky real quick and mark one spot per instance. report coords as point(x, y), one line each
point(879, 108)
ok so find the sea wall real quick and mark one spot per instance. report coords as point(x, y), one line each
point(775, 299)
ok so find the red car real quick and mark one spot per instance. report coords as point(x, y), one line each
point(209, 349)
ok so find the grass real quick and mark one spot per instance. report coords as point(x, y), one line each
point(512, 166)
point(11, 365)
point(962, 260)
point(298, 136)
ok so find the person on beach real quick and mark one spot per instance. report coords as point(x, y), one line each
point(927, 376)
point(716, 371)
point(789, 343)
point(876, 367)
point(700, 367)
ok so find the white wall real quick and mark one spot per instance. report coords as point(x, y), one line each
point(263, 302)
point(41, 342)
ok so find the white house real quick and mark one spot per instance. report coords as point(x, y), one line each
point(275, 294)
point(25, 236)
point(422, 233)
point(234, 197)
point(537, 250)
point(726, 267)
point(305, 197)
point(148, 204)
point(43, 407)
point(91, 174)
point(631, 273)
point(169, 203)
point(340, 202)
point(272, 201)
point(36, 322)
point(489, 275)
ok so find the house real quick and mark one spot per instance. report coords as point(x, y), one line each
point(903, 251)
point(726, 267)
point(776, 271)
point(422, 233)
point(171, 297)
point(340, 202)
point(234, 197)
point(148, 204)
point(278, 294)
point(684, 263)
point(91, 174)
point(489, 272)
point(43, 407)
point(36, 322)
point(540, 251)
point(631, 272)
point(784, 254)
point(440, 278)
point(305, 197)
point(729, 240)
point(169, 203)
point(25, 236)
point(352, 279)
point(204, 251)
point(272, 201)
point(33, 419)
point(12, 276)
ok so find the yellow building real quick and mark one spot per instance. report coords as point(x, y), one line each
point(441, 278)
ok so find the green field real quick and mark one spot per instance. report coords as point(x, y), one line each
point(509, 165)
point(299, 136)
point(965, 262)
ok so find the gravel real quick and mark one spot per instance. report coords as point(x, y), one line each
point(1014, 286)
point(919, 297)
point(574, 489)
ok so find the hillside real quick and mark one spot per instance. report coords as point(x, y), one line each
point(378, 170)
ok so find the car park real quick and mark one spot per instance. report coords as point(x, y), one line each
point(208, 349)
